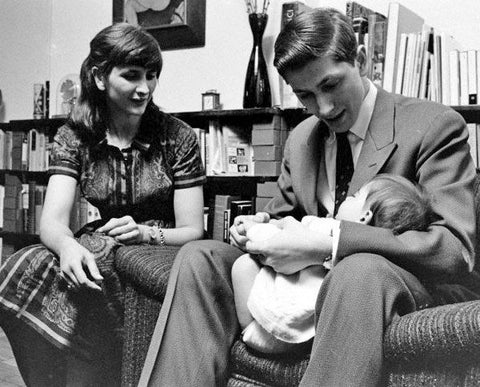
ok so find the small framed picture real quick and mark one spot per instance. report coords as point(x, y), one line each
point(176, 24)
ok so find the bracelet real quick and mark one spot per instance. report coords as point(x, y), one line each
point(161, 237)
point(156, 236)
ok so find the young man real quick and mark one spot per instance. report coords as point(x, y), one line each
point(377, 274)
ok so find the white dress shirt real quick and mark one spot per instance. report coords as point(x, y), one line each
point(327, 170)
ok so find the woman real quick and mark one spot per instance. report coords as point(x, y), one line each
point(142, 169)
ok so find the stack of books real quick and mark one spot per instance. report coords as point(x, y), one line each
point(268, 140)
point(265, 192)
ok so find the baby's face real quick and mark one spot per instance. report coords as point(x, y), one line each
point(353, 208)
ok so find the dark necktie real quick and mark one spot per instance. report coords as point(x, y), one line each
point(344, 169)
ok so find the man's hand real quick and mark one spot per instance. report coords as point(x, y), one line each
point(238, 231)
point(294, 248)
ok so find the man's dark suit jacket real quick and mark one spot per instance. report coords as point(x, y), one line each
point(423, 141)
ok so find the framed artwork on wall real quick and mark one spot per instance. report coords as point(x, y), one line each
point(176, 24)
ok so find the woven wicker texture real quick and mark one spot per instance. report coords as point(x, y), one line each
point(442, 331)
point(145, 270)
point(147, 267)
point(443, 374)
point(278, 371)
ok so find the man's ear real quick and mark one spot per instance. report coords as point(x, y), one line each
point(99, 79)
point(367, 217)
point(361, 59)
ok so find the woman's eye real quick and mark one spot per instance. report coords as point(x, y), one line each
point(130, 76)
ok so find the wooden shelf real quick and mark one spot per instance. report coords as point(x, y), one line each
point(470, 113)
point(19, 239)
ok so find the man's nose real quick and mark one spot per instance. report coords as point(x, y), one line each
point(324, 105)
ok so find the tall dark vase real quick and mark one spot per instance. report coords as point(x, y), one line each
point(257, 86)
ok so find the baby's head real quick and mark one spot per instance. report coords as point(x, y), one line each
point(389, 201)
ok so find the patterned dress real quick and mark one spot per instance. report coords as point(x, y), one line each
point(138, 181)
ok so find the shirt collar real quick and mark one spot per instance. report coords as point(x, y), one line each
point(360, 126)
point(141, 141)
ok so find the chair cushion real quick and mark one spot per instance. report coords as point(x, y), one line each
point(443, 331)
point(147, 267)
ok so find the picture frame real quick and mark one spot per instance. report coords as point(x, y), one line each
point(185, 30)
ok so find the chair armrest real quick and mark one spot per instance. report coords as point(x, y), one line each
point(435, 332)
point(146, 267)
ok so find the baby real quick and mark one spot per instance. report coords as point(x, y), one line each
point(276, 311)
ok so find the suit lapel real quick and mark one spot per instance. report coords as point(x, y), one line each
point(313, 148)
point(379, 141)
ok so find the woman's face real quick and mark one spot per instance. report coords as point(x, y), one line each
point(129, 89)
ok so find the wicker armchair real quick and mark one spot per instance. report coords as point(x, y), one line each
point(433, 347)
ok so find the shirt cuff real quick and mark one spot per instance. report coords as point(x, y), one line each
point(335, 239)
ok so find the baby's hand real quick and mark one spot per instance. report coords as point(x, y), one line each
point(261, 231)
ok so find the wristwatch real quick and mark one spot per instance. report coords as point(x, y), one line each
point(156, 236)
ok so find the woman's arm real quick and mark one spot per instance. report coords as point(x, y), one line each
point(57, 236)
point(188, 208)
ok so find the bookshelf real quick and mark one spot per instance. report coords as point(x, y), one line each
point(243, 186)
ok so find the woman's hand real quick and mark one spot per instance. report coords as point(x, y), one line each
point(238, 230)
point(294, 248)
point(78, 266)
point(124, 230)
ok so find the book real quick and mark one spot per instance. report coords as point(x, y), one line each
point(377, 32)
point(201, 138)
point(30, 213)
point(267, 168)
point(267, 152)
point(402, 55)
point(2, 149)
point(446, 44)
point(290, 9)
point(358, 15)
point(463, 60)
point(216, 157)
point(221, 207)
point(267, 189)
point(454, 79)
point(400, 20)
point(240, 207)
point(261, 202)
point(238, 150)
point(472, 76)
point(2, 198)
point(39, 200)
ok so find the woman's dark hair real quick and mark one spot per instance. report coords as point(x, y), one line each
point(315, 34)
point(120, 44)
point(398, 204)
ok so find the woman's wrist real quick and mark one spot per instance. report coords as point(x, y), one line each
point(153, 235)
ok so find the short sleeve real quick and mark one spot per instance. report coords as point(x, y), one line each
point(65, 154)
point(188, 168)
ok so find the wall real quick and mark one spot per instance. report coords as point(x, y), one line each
point(47, 39)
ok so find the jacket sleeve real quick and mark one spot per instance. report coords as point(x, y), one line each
point(446, 250)
point(284, 203)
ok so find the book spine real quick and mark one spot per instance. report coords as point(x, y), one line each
point(472, 76)
point(454, 66)
point(463, 59)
